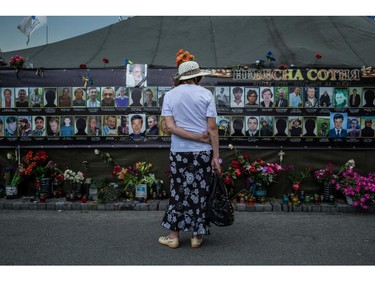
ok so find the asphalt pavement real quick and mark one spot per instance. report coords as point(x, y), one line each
point(131, 238)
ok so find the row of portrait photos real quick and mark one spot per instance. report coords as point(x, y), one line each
point(225, 97)
point(141, 125)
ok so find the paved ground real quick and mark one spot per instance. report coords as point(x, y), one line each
point(130, 238)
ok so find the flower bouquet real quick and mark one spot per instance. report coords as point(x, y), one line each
point(136, 174)
point(258, 172)
point(17, 62)
point(360, 189)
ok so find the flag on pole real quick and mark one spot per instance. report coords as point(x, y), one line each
point(30, 24)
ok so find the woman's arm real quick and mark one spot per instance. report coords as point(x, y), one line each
point(173, 129)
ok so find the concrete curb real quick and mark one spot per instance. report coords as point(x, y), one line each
point(274, 205)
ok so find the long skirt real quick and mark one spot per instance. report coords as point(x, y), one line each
point(191, 173)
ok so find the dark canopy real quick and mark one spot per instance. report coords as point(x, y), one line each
point(343, 41)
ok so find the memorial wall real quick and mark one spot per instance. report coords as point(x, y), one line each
point(271, 108)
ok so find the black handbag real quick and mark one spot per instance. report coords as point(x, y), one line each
point(219, 209)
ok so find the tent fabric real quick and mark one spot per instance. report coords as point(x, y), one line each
point(342, 41)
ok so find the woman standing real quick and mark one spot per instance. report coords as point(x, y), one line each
point(190, 114)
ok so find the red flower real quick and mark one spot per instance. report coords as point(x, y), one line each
point(236, 164)
point(318, 56)
point(82, 66)
point(105, 60)
point(246, 156)
point(283, 66)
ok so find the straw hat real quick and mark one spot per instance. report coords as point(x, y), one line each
point(190, 69)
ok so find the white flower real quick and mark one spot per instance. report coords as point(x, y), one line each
point(231, 147)
point(96, 151)
point(350, 164)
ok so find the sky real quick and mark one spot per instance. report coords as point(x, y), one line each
point(65, 22)
point(59, 28)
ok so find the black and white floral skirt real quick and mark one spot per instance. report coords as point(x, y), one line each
point(190, 179)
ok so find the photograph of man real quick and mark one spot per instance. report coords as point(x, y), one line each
point(163, 129)
point(339, 98)
point(266, 126)
point(136, 75)
point(223, 125)
point(161, 94)
point(109, 125)
point(137, 127)
point(92, 100)
point(355, 97)
point(354, 127)
point(339, 123)
point(280, 126)
point(79, 97)
point(222, 96)
point(50, 97)
point(80, 128)
point(24, 126)
point(122, 99)
point(322, 125)
point(67, 129)
point(7, 98)
point(65, 97)
point(35, 97)
point(152, 126)
point(93, 126)
point(237, 99)
point(311, 100)
point(368, 98)
point(295, 126)
point(280, 97)
point(367, 131)
point(136, 97)
point(11, 126)
point(295, 99)
point(310, 127)
point(252, 96)
point(149, 100)
point(266, 97)
point(108, 97)
point(252, 129)
point(22, 100)
point(53, 126)
point(39, 127)
point(325, 96)
point(123, 128)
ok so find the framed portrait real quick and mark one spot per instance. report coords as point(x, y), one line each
point(64, 96)
point(7, 97)
point(252, 96)
point(22, 97)
point(237, 97)
point(161, 93)
point(252, 126)
point(267, 97)
point(326, 97)
point(50, 97)
point(223, 124)
point(238, 126)
point(136, 75)
point(141, 191)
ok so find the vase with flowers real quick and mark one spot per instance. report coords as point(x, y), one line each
point(75, 181)
point(258, 174)
point(297, 176)
point(17, 62)
point(359, 190)
point(135, 175)
point(12, 179)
